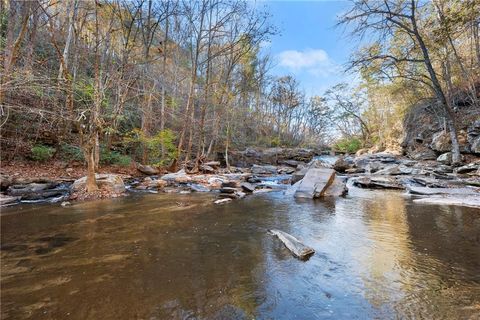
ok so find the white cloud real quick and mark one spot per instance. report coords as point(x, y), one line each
point(302, 59)
point(314, 61)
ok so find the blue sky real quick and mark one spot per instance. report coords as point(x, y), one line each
point(309, 46)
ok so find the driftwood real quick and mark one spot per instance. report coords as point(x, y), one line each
point(293, 244)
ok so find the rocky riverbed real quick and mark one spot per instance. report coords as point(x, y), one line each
point(324, 176)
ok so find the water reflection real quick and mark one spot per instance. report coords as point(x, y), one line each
point(378, 255)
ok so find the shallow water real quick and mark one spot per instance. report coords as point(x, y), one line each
point(157, 256)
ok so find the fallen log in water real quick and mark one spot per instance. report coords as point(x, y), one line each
point(293, 244)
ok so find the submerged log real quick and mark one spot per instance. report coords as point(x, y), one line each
point(293, 244)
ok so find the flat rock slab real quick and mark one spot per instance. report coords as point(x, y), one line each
point(7, 200)
point(464, 201)
point(380, 182)
point(300, 250)
point(315, 183)
point(444, 191)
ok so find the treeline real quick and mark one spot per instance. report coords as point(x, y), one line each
point(410, 53)
point(164, 82)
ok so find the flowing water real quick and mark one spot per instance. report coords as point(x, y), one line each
point(157, 256)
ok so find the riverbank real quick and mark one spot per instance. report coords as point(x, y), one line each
point(58, 182)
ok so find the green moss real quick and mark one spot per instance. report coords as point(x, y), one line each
point(42, 153)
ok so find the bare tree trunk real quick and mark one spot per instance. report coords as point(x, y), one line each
point(449, 113)
point(72, 13)
point(91, 183)
point(164, 71)
point(32, 37)
point(97, 151)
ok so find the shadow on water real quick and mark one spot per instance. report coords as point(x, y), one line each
point(378, 255)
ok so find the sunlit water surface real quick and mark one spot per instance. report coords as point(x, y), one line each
point(378, 255)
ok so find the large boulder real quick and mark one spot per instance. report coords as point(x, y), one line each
point(109, 182)
point(441, 142)
point(146, 169)
point(341, 165)
point(445, 158)
point(473, 136)
point(315, 183)
point(422, 153)
point(475, 145)
point(337, 188)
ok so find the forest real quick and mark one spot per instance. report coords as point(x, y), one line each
point(239, 159)
point(175, 82)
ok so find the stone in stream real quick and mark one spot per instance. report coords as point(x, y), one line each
point(292, 189)
point(444, 191)
point(230, 184)
point(315, 183)
point(228, 190)
point(7, 200)
point(299, 174)
point(428, 182)
point(380, 182)
point(198, 187)
point(291, 163)
point(300, 250)
point(264, 170)
point(109, 182)
point(222, 201)
point(20, 190)
point(247, 186)
point(464, 201)
point(285, 170)
point(338, 188)
point(179, 177)
point(341, 165)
